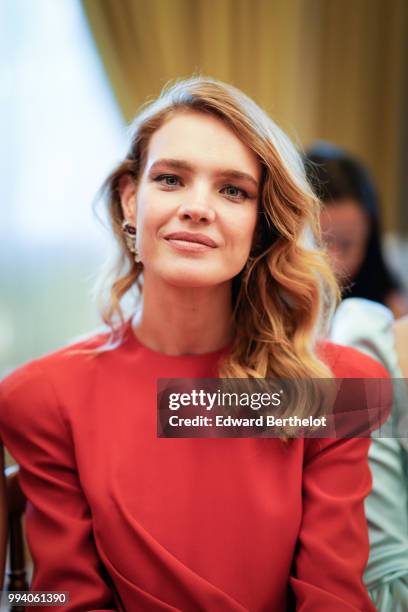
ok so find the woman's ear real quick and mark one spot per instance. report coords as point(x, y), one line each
point(127, 194)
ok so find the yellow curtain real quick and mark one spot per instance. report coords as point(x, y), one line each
point(323, 69)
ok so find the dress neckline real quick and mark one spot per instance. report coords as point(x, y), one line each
point(134, 342)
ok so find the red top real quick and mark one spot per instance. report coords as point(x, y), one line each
point(124, 520)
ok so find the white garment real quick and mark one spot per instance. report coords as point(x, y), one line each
point(368, 326)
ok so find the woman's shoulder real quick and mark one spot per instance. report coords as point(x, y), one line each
point(366, 326)
point(35, 381)
point(348, 362)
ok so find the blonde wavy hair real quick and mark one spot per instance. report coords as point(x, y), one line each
point(284, 298)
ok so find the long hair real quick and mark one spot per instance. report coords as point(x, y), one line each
point(335, 175)
point(285, 296)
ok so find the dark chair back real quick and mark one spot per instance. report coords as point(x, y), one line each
point(17, 579)
point(3, 516)
point(12, 507)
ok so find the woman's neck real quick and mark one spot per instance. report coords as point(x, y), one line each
point(185, 320)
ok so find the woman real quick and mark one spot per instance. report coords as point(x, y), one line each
point(212, 210)
point(351, 227)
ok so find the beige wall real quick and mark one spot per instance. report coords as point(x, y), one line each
point(324, 69)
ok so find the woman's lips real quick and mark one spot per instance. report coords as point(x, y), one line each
point(186, 245)
point(189, 241)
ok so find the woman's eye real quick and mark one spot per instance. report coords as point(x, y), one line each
point(234, 192)
point(169, 180)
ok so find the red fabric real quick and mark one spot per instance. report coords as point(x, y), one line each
point(124, 520)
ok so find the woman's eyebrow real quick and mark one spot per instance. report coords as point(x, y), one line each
point(177, 164)
point(226, 173)
point(238, 175)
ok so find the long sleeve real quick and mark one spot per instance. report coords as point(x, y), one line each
point(58, 518)
point(333, 543)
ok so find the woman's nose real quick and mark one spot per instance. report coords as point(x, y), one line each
point(197, 209)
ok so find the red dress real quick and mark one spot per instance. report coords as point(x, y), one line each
point(124, 520)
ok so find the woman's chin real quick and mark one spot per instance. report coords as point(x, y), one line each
point(190, 276)
point(190, 280)
point(189, 273)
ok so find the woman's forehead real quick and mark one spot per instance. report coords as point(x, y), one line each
point(201, 138)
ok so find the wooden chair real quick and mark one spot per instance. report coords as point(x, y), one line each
point(3, 516)
point(12, 507)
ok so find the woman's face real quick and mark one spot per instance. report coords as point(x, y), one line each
point(195, 205)
point(345, 229)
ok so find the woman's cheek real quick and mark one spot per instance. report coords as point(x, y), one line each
point(244, 232)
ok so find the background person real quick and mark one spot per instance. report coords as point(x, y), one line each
point(369, 327)
point(351, 227)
